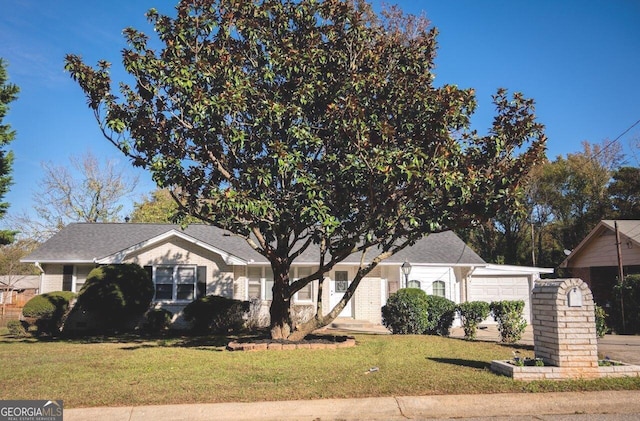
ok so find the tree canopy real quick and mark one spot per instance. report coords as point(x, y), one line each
point(311, 123)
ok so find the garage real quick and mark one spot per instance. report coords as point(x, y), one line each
point(503, 282)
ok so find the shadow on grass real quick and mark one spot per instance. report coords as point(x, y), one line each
point(134, 342)
point(524, 347)
point(464, 363)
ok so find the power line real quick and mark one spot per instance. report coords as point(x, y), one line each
point(616, 139)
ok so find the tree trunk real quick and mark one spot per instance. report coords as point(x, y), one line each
point(281, 324)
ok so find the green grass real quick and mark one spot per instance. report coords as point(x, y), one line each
point(129, 371)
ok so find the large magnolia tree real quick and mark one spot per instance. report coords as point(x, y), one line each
point(309, 124)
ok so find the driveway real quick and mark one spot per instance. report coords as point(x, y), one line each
point(625, 348)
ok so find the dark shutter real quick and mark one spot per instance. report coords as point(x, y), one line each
point(67, 277)
point(201, 291)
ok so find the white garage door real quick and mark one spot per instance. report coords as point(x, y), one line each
point(499, 288)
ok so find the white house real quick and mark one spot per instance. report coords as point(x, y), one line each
point(202, 260)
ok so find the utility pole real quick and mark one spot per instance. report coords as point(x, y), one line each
point(533, 245)
point(620, 273)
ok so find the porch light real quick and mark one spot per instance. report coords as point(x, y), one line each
point(406, 270)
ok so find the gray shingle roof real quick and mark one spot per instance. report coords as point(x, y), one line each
point(85, 242)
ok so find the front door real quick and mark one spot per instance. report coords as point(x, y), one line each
point(339, 285)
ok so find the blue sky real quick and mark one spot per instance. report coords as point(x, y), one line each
point(579, 60)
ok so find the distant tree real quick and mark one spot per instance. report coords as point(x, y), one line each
point(624, 191)
point(509, 237)
point(91, 193)
point(8, 93)
point(311, 122)
point(574, 189)
point(159, 207)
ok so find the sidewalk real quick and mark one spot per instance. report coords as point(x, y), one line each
point(389, 408)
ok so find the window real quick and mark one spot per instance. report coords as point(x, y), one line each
point(175, 283)
point(414, 284)
point(342, 281)
point(259, 283)
point(438, 288)
point(306, 293)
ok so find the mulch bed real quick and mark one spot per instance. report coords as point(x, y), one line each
point(310, 342)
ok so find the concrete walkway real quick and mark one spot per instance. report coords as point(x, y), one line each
point(615, 405)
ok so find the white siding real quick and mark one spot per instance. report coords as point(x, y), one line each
point(426, 275)
point(368, 300)
point(52, 278)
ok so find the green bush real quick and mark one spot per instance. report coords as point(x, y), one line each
point(629, 292)
point(601, 323)
point(406, 312)
point(156, 320)
point(511, 324)
point(48, 310)
point(440, 315)
point(472, 313)
point(16, 329)
point(216, 314)
point(114, 296)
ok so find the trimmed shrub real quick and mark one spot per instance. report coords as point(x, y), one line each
point(406, 312)
point(114, 296)
point(16, 329)
point(257, 318)
point(216, 314)
point(48, 310)
point(472, 313)
point(629, 292)
point(601, 323)
point(156, 320)
point(440, 315)
point(511, 324)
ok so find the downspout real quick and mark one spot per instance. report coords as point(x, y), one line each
point(465, 285)
point(39, 266)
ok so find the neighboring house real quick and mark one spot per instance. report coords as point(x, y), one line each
point(201, 259)
point(595, 259)
point(16, 290)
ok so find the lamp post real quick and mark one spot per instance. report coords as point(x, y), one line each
point(406, 270)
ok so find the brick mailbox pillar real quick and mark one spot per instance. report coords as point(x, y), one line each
point(564, 327)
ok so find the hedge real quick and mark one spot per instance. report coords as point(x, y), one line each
point(406, 312)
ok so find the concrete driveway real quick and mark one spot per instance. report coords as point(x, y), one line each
point(625, 348)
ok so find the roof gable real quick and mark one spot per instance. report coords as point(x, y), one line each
point(120, 256)
point(629, 231)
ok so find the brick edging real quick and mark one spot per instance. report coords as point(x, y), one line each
point(264, 346)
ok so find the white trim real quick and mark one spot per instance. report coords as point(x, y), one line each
point(492, 269)
point(120, 256)
point(58, 261)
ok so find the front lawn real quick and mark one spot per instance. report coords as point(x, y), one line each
point(129, 371)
